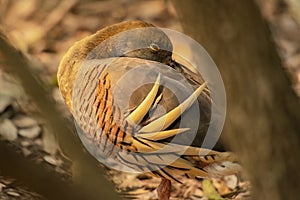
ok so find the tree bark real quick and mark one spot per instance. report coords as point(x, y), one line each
point(263, 114)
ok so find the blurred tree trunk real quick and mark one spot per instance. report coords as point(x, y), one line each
point(263, 115)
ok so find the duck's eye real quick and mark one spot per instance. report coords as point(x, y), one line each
point(154, 47)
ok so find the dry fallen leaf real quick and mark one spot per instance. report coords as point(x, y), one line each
point(23, 121)
point(8, 131)
point(31, 133)
point(51, 160)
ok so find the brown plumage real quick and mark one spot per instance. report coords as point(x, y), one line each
point(97, 74)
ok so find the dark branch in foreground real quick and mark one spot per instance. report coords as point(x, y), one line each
point(89, 176)
point(35, 176)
